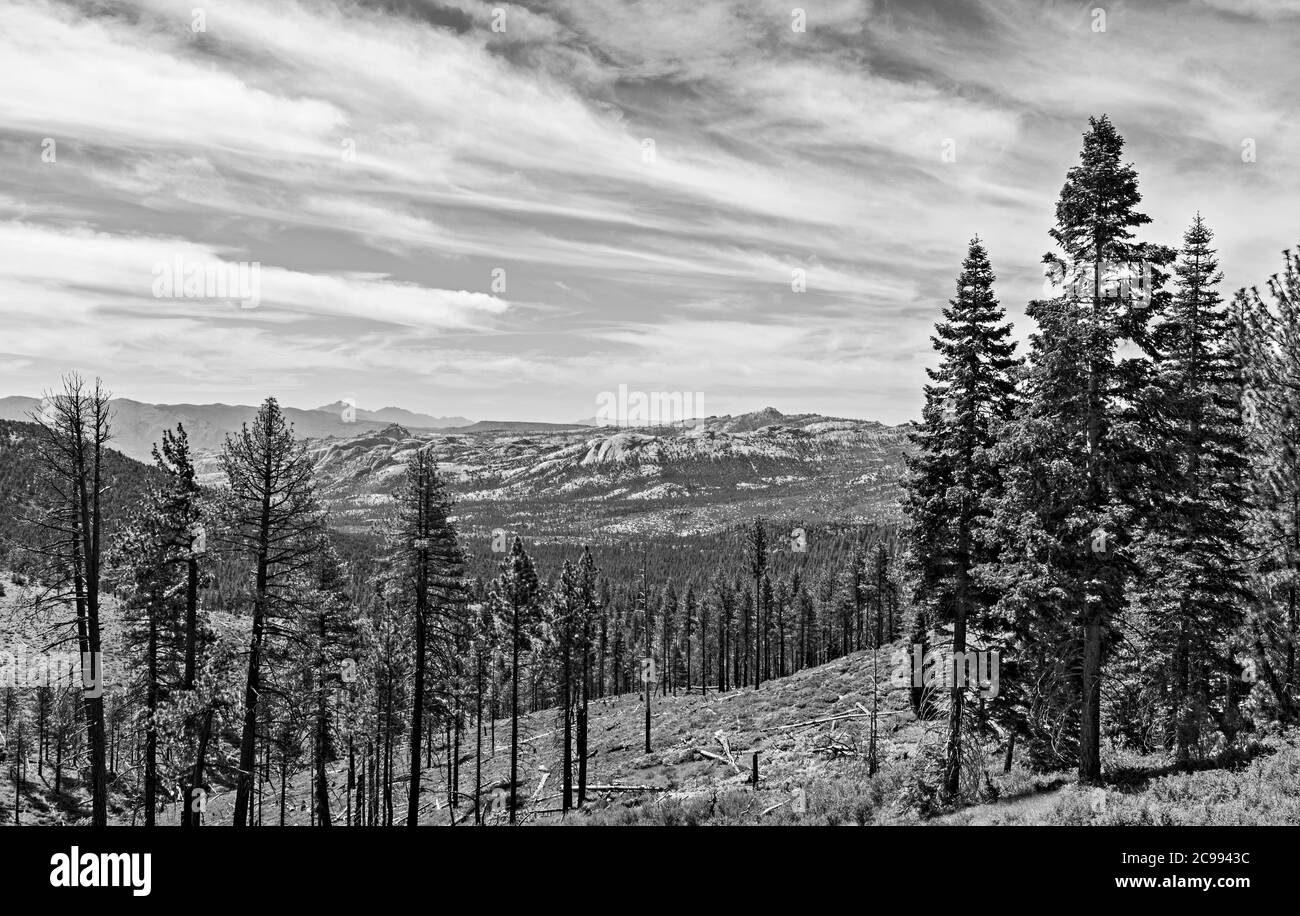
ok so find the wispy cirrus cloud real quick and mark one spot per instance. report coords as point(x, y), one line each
point(467, 220)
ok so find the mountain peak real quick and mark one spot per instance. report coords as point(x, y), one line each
point(749, 422)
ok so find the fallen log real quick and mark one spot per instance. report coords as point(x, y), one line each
point(541, 785)
point(865, 713)
point(726, 749)
point(810, 722)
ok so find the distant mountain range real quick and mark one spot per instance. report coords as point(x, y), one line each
point(518, 426)
point(396, 415)
point(137, 426)
point(550, 483)
point(555, 482)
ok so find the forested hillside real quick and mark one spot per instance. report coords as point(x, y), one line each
point(126, 482)
point(1077, 573)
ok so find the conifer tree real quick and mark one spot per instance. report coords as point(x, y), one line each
point(1077, 472)
point(1192, 588)
point(516, 606)
point(765, 630)
point(185, 515)
point(181, 510)
point(431, 565)
point(483, 642)
point(589, 610)
point(703, 629)
point(725, 601)
point(329, 633)
point(668, 614)
point(151, 595)
point(953, 481)
point(690, 607)
point(72, 455)
point(857, 582)
point(274, 523)
point(758, 568)
point(780, 601)
point(565, 614)
point(1269, 343)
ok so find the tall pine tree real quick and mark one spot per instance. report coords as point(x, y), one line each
point(1190, 548)
point(952, 481)
point(516, 605)
point(1077, 474)
point(1269, 341)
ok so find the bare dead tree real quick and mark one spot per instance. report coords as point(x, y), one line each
point(69, 527)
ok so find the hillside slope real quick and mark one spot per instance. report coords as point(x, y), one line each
point(685, 730)
point(610, 484)
point(811, 735)
point(812, 768)
point(127, 482)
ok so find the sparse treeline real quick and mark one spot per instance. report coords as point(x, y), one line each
point(253, 650)
point(1114, 511)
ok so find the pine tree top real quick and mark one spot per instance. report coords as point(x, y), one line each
point(1096, 213)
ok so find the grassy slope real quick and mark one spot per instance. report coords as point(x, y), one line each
point(823, 760)
point(788, 759)
point(818, 760)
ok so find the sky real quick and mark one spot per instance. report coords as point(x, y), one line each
point(501, 211)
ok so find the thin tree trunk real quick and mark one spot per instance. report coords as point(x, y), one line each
point(566, 696)
point(151, 726)
point(952, 771)
point(417, 714)
point(284, 782)
point(478, 738)
point(1090, 720)
point(252, 690)
point(514, 720)
point(585, 690)
point(191, 621)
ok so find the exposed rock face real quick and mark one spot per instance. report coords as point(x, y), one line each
point(593, 482)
